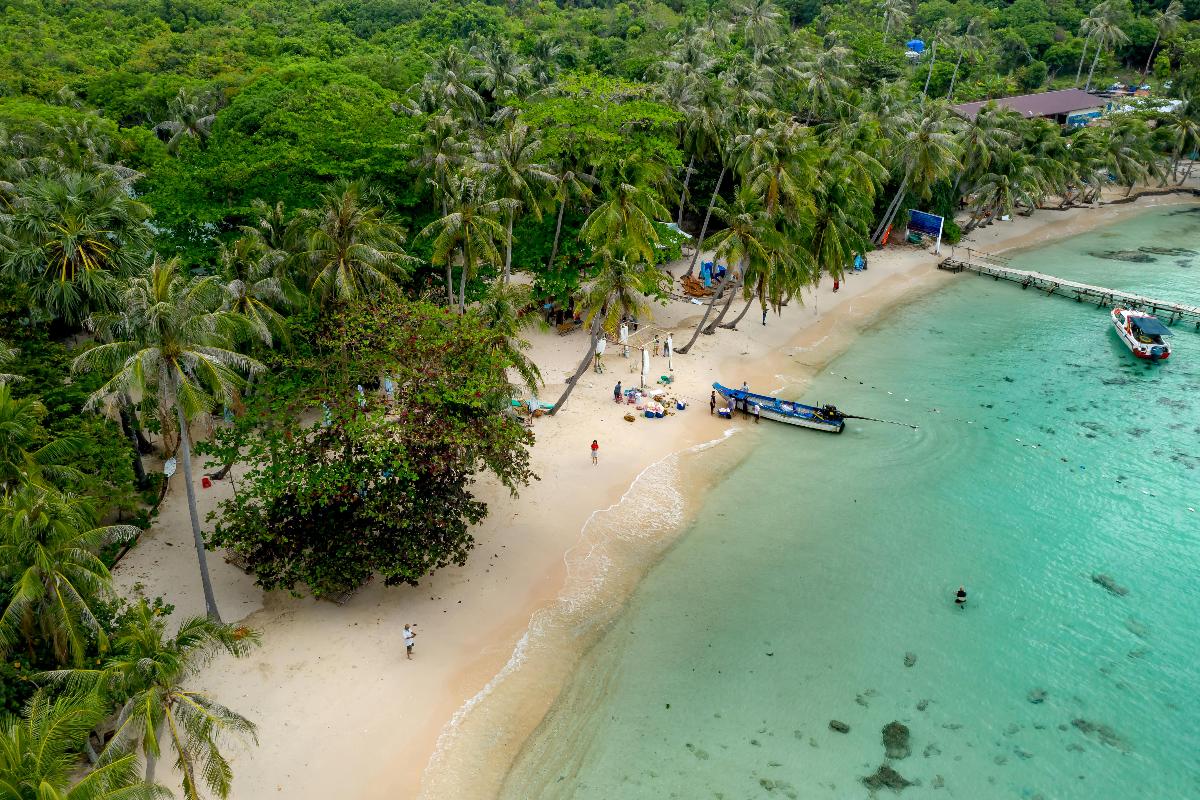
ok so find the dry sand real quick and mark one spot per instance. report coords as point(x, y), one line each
point(340, 712)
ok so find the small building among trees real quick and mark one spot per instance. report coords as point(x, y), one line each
point(1066, 106)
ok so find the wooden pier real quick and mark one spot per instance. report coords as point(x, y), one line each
point(998, 268)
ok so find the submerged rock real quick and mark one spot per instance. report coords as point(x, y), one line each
point(895, 740)
point(910, 659)
point(839, 726)
point(886, 777)
point(1168, 251)
point(1102, 733)
point(1036, 696)
point(1109, 583)
point(1132, 256)
point(922, 705)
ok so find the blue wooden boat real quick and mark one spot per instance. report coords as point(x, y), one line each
point(820, 418)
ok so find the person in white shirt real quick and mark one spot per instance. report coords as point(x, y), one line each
point(410, 636)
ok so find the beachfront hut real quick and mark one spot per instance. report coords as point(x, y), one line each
point(1072, 107)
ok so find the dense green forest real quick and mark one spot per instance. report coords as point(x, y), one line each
point(302, 238)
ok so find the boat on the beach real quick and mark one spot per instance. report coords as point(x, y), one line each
point(822, 418)
point(1142, 333)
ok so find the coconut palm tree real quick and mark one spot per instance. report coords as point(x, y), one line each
point(440, 152)
point(25, 456)
point(569, 186)
point(501, 311)
point(190, 116)
point(39, 754)
point(146, 677)
point(619, 289)
point(543, 65)
point(447, 86)
point(48, 547)
point(499, 72)
point(895, 16)
point(1183, 127)
point(623, 223)
point(943, 30)
point(514, 173)
point(1165, 23)
point(1013, 181)
point(1107, 33)
point(172, 340)
point(353, 248)
point(252, 290)
point(760, 22)
point(467, 234)
point(966, 43)
point(73, 237)
point(990, 131)
point(926, 152)
point(824, 78)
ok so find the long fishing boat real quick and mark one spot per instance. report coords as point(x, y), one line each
point(820, 418)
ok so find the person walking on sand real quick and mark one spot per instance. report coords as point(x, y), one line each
point(595, 452)
point(836, 285)
point(764, 315)
point(410, 637)
point(617, 393)
point(712, 403)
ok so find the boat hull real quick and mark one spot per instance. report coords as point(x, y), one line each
point(771, 408)
point(1147, 351)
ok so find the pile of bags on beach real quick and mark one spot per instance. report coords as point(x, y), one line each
point(656, 405)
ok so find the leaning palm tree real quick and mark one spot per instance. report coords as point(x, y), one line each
point(943, 30)
point(172, 341)
point(966, 43)
point(73, 237)
point(48, 547)
point(619, 289)
point(512, 169)
point(1013, 181)
point(1107, 33)
point(824, 78)
point(926, 152)
point(569, 186)
point(190, 116)
point(1182, 126)
point(502, 312)
point(1165, 23)
point(146, 679)
point(466, 234)
point(24, 455)
point(39, 754)
point(353, 248)
point(895, 16)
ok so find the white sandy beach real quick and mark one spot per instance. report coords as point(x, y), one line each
point(340, 712)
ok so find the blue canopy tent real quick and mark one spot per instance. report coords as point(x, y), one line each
point(916, 45)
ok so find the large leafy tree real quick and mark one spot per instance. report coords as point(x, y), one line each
point(146, 678)
point(51, 573)
point(172, 340)
point(372, 487)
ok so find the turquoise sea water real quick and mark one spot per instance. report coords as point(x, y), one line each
point(1046, 456)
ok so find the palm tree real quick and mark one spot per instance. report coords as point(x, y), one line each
point(447, 86)
point(172, 340)
point(543, 65)
point(942, 30)
point(500, 72)
point(74, 237)
point(513, 172)
point(39, 755)
point(1106, 10)
point(568, 185)
point(440, 152)
point(353, 248)
point(1165, 23)
point(759, 21)
point(989, 132)
point(895, 15)
point(191, 116)
point(1013, 181)
point(48, 547)
point(926, 152)
point(501, 311)
point(252, 290)
point(618, 290)
point(466, 234)
point(146, 679)
point(623, 223)
point(1183, 128)
point(966, 43)
point(824, 78)
point(24, 455)
point(1107, 33)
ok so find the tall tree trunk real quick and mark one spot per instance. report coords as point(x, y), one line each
point(687, 178)
point(1083, 54)
point(707, 215)
point(593, 338)
point(1088, 86)
point(932, 61)
point(557, 233)
point(733, 290)
point(462, 282)
point(508, 249)
point(890, 213)
point(1150, 58)
point(139, 470)
point(449, 269)
point(707, 311)
point(954, 77)
point(143, 444)
point(185, 453)
point(733, 325)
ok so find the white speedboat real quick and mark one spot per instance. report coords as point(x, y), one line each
point(1142, 333)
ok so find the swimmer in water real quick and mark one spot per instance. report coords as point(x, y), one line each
point(960, 597)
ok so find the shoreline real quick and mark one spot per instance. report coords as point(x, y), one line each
point(337, 674)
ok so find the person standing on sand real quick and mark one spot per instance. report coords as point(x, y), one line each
point(836, 285)
point(764, 315)
point(712, 403)
point(595, 452)
point(757, 411)
point(617, 393)
point(410, 636)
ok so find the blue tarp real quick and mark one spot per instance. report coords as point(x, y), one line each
point(916, 45)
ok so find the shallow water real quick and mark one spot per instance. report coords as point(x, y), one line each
point(1046, 457)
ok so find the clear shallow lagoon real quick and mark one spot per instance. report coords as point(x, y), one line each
point(1046, 455)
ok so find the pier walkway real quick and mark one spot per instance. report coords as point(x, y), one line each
point(998, 268)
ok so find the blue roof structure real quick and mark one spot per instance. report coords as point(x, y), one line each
point(916, 45)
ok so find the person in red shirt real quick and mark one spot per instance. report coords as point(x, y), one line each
point(595, 451)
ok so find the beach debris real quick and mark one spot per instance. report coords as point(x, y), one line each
point(895, 740)
point(910, 659)
point(886, 777)
point(839, 726)
point(1102, 733)
point(1036, 696)
point(1109, 583)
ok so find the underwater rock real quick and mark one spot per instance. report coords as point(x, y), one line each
point(1102, 733)
point(1138, 629)
point(1109, 583)
point(910, 659)
point(938, 782)
point(886, 777)
point(1131, 256)
point(932, 750)
point(1036, 696)
point(697, 752)
point(921, 706)
point(1168, 251)
point(839, 726)
point(862, 701)
point(895, 740)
